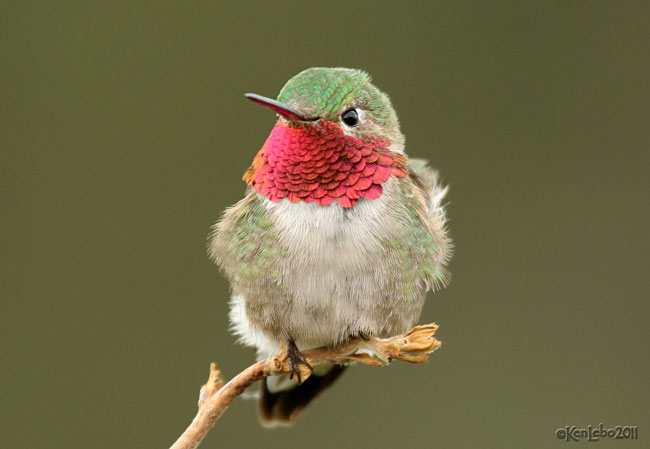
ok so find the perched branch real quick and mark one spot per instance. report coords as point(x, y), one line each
point(215, 397)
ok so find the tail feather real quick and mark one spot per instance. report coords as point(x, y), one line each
point(284, 407)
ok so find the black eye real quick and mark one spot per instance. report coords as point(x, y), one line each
point(350, 117)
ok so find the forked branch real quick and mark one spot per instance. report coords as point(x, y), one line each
point(215, 397)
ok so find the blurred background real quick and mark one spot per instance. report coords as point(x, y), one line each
point(124, 134)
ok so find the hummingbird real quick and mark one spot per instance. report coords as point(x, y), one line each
point(339, 235)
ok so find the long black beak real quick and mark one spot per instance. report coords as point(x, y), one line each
point(281, 108)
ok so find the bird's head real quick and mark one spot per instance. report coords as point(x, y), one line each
point(337, 138)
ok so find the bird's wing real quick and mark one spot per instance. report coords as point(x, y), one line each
point(430, 194)
point(242, 241)
point(428, 181)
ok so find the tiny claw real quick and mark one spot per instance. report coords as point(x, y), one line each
point(295, 357)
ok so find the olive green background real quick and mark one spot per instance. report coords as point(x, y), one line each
point(124, 134)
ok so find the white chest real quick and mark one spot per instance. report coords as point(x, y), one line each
point(331, 239)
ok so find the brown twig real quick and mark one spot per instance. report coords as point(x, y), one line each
point(215, 397)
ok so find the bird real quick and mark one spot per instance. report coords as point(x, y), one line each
point(340, 235)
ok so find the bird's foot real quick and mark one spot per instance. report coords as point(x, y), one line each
point(295, 358)
point(359, 334)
